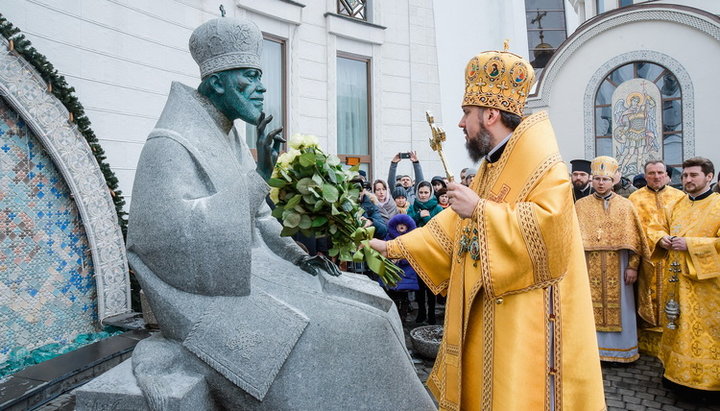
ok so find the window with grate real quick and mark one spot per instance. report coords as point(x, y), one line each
point(356, 9)
point(546, 29)
point(638, 120)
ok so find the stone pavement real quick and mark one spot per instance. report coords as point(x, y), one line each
point(635, 387)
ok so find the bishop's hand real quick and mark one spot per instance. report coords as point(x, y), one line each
point(268, 147)
point(312, 265)
point(463, 200)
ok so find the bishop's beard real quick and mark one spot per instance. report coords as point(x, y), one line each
point(479, 145)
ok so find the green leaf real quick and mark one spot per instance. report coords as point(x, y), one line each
point(278, 212)
point(314, 191)
point(307, 159)
point(317, 179)
point(292, 219)
point(330, 193)
point(333, 160)
point(319, 221)
point(347, 206)
point(334, 210)
point(333, 229)
point(333, 252)
point(355, 168)
point(293, 201)
point(330, 174)
point(358, 256)
point(277, 183)
point(303, 186)
point(309, 199)
point(318, 206)
point(305, 222)
point(285, 175)
point(288, 231)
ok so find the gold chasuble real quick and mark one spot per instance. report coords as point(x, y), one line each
point(691, 351)
point(606, 229)
point(652, 277)
point(519, 331)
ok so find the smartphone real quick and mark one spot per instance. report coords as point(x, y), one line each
point(405, 155)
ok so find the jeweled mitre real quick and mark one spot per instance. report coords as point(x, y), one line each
point(498, 79)
point(226, 43)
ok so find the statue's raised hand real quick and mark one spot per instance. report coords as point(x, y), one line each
point(268, 146)
point(312, 264)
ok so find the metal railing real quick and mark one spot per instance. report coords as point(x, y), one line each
point(356, 9)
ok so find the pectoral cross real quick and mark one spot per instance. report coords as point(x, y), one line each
point(438, 136)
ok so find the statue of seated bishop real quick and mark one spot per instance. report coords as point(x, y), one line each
point(242, 325)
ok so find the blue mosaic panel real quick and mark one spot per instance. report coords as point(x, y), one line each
point(47, 288)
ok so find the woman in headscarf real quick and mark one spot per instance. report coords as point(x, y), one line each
point(425, 205)
point(421, 211)
point(384, 202)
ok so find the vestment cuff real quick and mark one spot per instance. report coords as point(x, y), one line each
point(477, 212)
point(393, 249)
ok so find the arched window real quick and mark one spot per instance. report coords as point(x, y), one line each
point(638, 116)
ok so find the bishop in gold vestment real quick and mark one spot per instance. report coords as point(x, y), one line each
point(690, 351)
point(614, 241)
point(519, 332)
point(650, 203)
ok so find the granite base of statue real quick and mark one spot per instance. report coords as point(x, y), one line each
point(242, 326)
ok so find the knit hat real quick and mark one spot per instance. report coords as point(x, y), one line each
point(399, 192)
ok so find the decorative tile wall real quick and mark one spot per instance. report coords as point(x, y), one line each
point(47, 286)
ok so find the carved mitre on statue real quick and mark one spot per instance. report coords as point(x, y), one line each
point(498, 79)
point(226, 43)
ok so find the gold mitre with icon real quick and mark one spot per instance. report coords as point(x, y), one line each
point(498, 79)
point(604, 166)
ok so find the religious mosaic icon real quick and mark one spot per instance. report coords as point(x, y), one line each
point(636, 129)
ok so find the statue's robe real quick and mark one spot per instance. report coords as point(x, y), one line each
point(691, 352)
point(652, 279)
point(231, 303)
point(519, 330)
point(614, 240)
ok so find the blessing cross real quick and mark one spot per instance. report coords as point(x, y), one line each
point(438, 136)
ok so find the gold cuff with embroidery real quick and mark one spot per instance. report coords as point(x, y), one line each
point(393, 249)
point(477, 212)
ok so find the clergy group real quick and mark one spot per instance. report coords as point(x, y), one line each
point(653, 261)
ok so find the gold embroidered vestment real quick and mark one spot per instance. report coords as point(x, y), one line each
point(650, 206)
point(691, 352)
point(605, 232)
point(518, 326)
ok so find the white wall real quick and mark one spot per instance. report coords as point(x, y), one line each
point(464, 29)
point(122, 55)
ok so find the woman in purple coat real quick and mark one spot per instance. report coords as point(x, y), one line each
point(397, 226)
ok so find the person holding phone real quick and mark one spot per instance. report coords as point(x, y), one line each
point(406, 181)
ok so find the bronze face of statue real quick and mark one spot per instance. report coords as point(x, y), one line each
point(237, 93)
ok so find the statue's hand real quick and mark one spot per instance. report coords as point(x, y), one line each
point(312, 264)
point(268, 147)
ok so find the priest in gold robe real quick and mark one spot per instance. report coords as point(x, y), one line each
point(614, 243)
point(650, 203)
point(519, 332)
point(689, 241)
